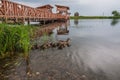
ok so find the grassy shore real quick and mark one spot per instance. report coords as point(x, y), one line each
point(95, 17)
point(14, 38)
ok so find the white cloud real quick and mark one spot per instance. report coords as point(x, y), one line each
point(34, 4)
point(85, 7)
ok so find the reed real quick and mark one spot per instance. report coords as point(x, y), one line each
point(14, 38)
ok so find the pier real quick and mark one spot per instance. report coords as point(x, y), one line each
point(18, 13)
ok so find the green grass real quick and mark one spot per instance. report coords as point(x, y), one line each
point(95, 17)
point(14, 38)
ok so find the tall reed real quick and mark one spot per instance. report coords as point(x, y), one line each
point(15, 38)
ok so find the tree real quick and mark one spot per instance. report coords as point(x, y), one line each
point(115, 13)
point(76, 14)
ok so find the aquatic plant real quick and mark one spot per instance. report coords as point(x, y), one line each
point(46, 38)
point(14, 39)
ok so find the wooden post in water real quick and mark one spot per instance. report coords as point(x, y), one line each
point(6, 19)
point(44, 22)
point(23, 20)
point(15, 20)
point(52, 21)
point(2, 19)
point(28, 21)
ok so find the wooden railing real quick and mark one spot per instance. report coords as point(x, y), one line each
point(12, 10)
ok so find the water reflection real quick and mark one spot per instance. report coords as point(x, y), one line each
point(93, 54)
point(114, 22)
point(96, 49)
point(48, 29)
point(76, 21)
point(63, 29)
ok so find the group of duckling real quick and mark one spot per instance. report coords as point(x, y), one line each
point(59, 45)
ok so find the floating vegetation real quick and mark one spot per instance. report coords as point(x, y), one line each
point(14, 39)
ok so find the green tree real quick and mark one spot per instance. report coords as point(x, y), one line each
point(76, 14)
point(115, 13)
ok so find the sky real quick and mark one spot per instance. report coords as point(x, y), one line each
point(84, 7)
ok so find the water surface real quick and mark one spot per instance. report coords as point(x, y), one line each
point(94, 53)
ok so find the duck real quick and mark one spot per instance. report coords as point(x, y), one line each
point(53, 45)
point(68, 42)
point(35, 46)
point(45, 46)
point(62, 44)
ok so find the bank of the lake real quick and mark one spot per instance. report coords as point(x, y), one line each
point(94, 17)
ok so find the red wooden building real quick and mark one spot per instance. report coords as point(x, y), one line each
point(46, 7)
point(63, 10)
point(14, 11)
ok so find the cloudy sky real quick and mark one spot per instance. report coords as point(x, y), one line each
point(84, 7)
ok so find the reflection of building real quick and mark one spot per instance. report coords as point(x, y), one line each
point(63, 10)
point(63, 29)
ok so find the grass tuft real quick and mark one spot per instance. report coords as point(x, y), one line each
point(14, 38)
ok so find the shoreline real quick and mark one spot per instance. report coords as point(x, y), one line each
point(94, 17)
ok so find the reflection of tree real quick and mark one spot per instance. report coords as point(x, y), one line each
point(114, 22)
point(76, 22)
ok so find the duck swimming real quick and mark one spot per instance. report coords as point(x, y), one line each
point(62, 44)
point(36, 46)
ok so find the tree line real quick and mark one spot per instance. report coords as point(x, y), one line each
point(115, 13)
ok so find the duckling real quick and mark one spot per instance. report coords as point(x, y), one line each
point(62, 44)
point(53, 45)
point(48, 45)
point(68, 42)
point(67, 31)
point(35, 46)
point(45, 46)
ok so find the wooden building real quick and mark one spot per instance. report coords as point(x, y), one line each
point(63, 10)
point(12, 11)
point(46, 8)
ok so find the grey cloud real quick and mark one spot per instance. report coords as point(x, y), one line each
point(84, 7)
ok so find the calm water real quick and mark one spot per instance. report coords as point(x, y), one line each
point(96, 47)
point(94, 54)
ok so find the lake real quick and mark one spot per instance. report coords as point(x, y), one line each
point(96, 47)
point(94, 53)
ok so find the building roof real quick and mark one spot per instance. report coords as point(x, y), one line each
point(45, 6)
point(60, 6)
